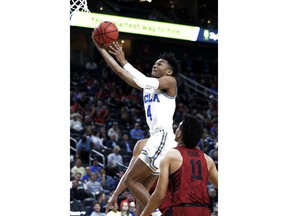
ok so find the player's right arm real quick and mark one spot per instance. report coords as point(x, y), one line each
point(213, 177)
point(115, 67)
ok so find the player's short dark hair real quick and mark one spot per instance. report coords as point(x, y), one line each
point(172, 61)
point(192, 130)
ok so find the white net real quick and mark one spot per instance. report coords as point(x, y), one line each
point(78, 5)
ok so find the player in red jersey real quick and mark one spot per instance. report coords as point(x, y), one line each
point(185, 171)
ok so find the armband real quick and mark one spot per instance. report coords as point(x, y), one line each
point(140, 79)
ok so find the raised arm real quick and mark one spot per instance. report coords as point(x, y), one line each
point(113, 64)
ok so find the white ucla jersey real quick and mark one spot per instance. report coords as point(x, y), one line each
point(159, 109)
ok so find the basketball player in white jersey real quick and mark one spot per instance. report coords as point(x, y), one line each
point(159, 97)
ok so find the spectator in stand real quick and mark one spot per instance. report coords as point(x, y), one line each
point(129, 198)
point(102, 113)
point(112, 161)
point(122, 196)
point(95, 165)
point(114, 130)
point(97, 143)
point(73, 187)
point(88, 124)
point(103, 135)
point(113, 100)
point(182, 109)
point(85, 104)
point(136, 133)
point(85, 178)
point(94, 88)
point(96, 208)
point(76, 208)
point(110, 194)
point(125, 209)
point(214, 129)
point(106, 181)
point(118, 177)
point(213, 196)
point(91, 65)
point(76, 94)
point(84, 147)
point(89, 128)
point(215, 209)
point(102, 199)
point(78, 168)
point(125, 117)
point(114, 211)
point(94, 187)
point(132, 209)
point(79, 192)
point(81, 185)
point(102, 93)
point(126, 145)
point(112, 142)
point(133, 98)
point(76, 122)
point(214, 154)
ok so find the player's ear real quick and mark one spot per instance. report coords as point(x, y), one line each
point(169, 72)
point(179, 134)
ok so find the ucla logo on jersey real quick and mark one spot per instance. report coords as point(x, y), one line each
point(151, 98)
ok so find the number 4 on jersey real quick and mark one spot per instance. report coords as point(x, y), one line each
point(149, 114)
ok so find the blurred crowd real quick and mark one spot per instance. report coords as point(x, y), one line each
point(107, 119)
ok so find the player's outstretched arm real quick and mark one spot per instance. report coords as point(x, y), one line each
point(113, 64)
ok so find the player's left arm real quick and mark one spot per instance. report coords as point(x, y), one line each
point(160, 191)
point(213, 177)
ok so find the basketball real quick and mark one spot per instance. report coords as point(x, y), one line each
point(106, 33)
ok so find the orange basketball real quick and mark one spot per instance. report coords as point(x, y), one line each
point(105, 33)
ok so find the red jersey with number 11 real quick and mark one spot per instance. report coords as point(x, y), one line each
point(189, 183)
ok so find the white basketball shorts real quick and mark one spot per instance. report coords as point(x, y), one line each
point(158, 144)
